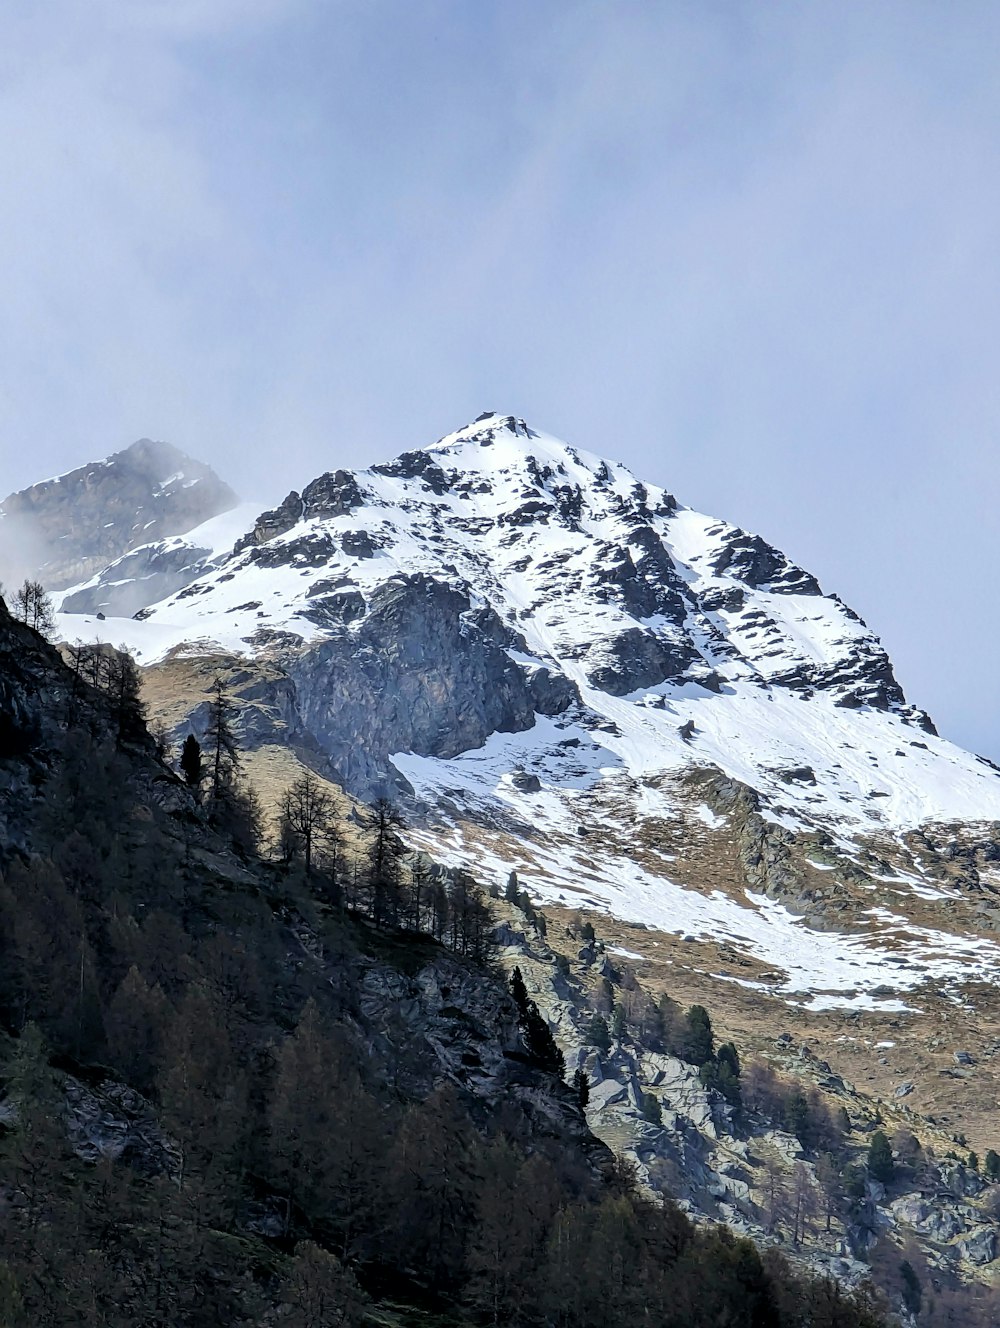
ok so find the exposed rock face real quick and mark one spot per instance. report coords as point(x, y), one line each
point(458, 1028)
point(113, 1122)
point(271, 524)
point(636, 659)
point(424, 672)
point(750, 559)
point(77, 524)
point(331, 495)
point(980, 1247)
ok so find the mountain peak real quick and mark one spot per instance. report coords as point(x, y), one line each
point(66, 529)
point(485, 429)
point(553, 658)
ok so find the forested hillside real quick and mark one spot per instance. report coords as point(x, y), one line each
point(238, 1092)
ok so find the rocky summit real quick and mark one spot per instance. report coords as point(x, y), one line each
point(559, 668)
point(70, 528)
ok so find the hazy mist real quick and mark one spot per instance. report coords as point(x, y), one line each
point(749, 249)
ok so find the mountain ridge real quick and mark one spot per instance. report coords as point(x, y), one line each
point(555, 667)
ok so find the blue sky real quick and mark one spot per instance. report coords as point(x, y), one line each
point(750, 249)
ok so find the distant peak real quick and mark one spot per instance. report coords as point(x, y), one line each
point(153, 455)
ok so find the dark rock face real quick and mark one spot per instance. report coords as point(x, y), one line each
point(864, 677)
point(269, 525)
point(459, 1029)
point(337, 608)
point(423, 672)
point(410, 465)
point(643, 578)
point(636, 659)
point(749, 558)
point(359, 544)
point(76, 525)
point(312, 550)
point(332, 494)
point(114, 1122)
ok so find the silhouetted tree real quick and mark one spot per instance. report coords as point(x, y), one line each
point(384, 855)
point(192, 763)
point(651, 1110)
point(319, 1292)
point(582, 1086)
point(598, 1034)
point(538, 1039)
point(307, 813)
point(31, 605)
point(221, 744)
point(123, 687)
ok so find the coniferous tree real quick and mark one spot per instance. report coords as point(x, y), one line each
point(699, 1040)
point(135, 1025)
point(192, 763)
point(518, 990)
point(618, 1022)
point(432, 1184)
point(538, 1039)
point(722, 1073)
point(515, 1203)
point(123, 686)
point(32, 1151)
point(471, 923)
point(912, 1292)
point(651, 1110)
point(11, 1300)
point(221, 744)
point(880, 1164)
point(329, 1184)
point(319, 1292)
point(582, 1086)
point(420, 886)
point(385, 863)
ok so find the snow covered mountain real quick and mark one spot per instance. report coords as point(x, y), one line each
point(644, 710)
point(70, 528)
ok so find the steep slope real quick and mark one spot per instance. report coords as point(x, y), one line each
point(645, 710)
point(68, 529)
point(226, 1098)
